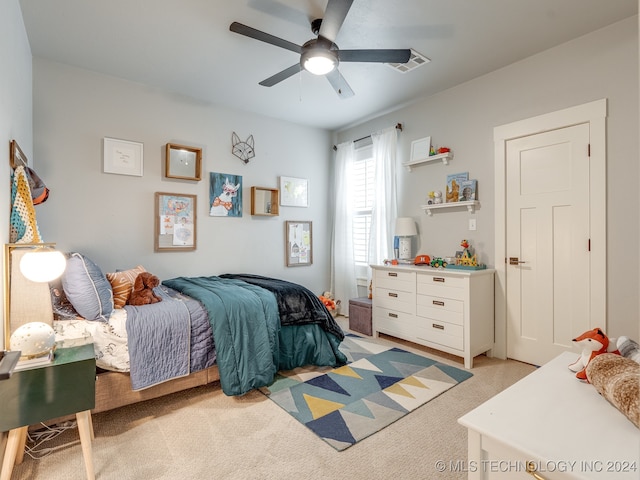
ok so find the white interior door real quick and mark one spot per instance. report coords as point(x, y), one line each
point(547, 242)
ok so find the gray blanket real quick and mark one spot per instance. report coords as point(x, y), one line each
point(167, 340)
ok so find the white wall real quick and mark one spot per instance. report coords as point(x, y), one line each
point(111, 217)
point(15, 105)
point(603, 64)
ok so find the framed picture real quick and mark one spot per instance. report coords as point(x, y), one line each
point(225, 195)
point(420, 149)
point(183, 162)
point(294, 192)
point(299, 243)
point(16, 156)
point(123, 157)
point(175, 223)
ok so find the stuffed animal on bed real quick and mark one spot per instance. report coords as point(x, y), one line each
point(593, 342)
point(143, 286)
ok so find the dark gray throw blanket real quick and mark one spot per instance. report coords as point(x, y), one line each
point(297, 305)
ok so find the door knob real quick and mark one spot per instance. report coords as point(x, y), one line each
point(515, 261)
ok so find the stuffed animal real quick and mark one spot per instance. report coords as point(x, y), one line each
point(143, 286)
point(629, 348)
point(593, 342)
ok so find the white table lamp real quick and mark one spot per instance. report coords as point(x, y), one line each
point(405, 229)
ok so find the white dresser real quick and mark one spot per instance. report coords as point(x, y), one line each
point(445, 309)
point(563, 426)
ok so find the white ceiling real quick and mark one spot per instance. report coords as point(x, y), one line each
point(185, 46)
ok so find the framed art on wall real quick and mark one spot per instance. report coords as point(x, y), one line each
point(175, 222)
point(299, 243)
point(225, 195)
point(294, 192)
point(123, 157)
point(183, 162)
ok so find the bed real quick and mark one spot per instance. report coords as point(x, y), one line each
point(238, 329)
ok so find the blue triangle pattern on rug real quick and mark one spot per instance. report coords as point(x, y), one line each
point(379, 385)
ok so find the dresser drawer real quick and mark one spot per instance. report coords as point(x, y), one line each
point(395, 300)
point(395, 280)
point(445, 309)
point(392, 322)
point(442, 286)
point(443, 333)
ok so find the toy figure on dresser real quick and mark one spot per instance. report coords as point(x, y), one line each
point(435, 197)
point(467, 259)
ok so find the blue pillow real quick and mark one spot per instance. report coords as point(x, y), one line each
point(87, 288)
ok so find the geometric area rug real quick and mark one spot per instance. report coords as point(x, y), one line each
point(379, 385)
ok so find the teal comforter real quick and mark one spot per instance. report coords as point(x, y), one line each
point(245, 323)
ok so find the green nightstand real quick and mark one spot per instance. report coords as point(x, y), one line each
point(33, 395)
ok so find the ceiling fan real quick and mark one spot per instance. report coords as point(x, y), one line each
point(320, 55)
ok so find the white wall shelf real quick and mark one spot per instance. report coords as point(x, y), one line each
point(443, 157)
point(470, 206)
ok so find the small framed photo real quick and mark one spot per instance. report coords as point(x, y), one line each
point(420, 149)
point(299, 243)
point(175, 222)
point(294, 192)
point(182, 162)
point(123, 157)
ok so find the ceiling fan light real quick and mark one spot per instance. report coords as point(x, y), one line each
point(319, 62)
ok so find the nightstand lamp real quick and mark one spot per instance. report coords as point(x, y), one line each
point(405, 229)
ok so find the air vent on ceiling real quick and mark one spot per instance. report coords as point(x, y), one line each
point(414, 62)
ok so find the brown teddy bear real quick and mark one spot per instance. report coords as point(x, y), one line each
point(143, 286)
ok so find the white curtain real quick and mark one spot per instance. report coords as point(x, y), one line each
point(343, 269)
point(385, 207)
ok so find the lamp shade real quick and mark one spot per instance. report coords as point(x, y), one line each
point(405, 227)
point(42, 265)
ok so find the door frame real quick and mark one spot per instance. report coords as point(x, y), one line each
point(594, 113)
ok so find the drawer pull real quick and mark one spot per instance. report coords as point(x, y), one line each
point(392, 274)
point(393, 315)
point(439, 327)
point(531, 470)
point(438, 279)
point(394, 295)
point(438, 303)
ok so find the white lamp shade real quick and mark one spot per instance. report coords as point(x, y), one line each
point(405, 227)
point(33, 339)
point(42, 265)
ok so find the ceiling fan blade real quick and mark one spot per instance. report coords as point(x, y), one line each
point(280, 76)
point(264, 37)
point(381, 56)
point(334, 16)
point(339, 84)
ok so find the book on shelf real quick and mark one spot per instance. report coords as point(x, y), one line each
point(35, 362)
point(468, 190)
point(453, 186)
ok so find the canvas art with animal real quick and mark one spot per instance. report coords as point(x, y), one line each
point(225, 193)
point(245, 151)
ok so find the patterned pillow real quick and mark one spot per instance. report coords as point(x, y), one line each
point(122, 284)
point(87, 288)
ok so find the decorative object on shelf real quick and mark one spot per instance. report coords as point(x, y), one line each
point(405, 229)
point(299, 243)
point(420, 149)
point(294, 192)
point(468, 190)
point(182, 162)
point(123, 157)
point(225, 195)
point(453, 186)
point(422, 260)
point(466, 259)
point(34, 340)
point(438, 262)
point(175, 222)
point(244, 150)
point(435, 197)
point(444, 150)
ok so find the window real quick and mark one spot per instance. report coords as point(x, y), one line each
point(363, 186)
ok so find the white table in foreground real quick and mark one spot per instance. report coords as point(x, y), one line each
point(562, 425)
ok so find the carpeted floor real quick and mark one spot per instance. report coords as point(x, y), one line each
point(201, 433)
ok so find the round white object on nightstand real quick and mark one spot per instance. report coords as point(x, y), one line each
point(33, 339)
